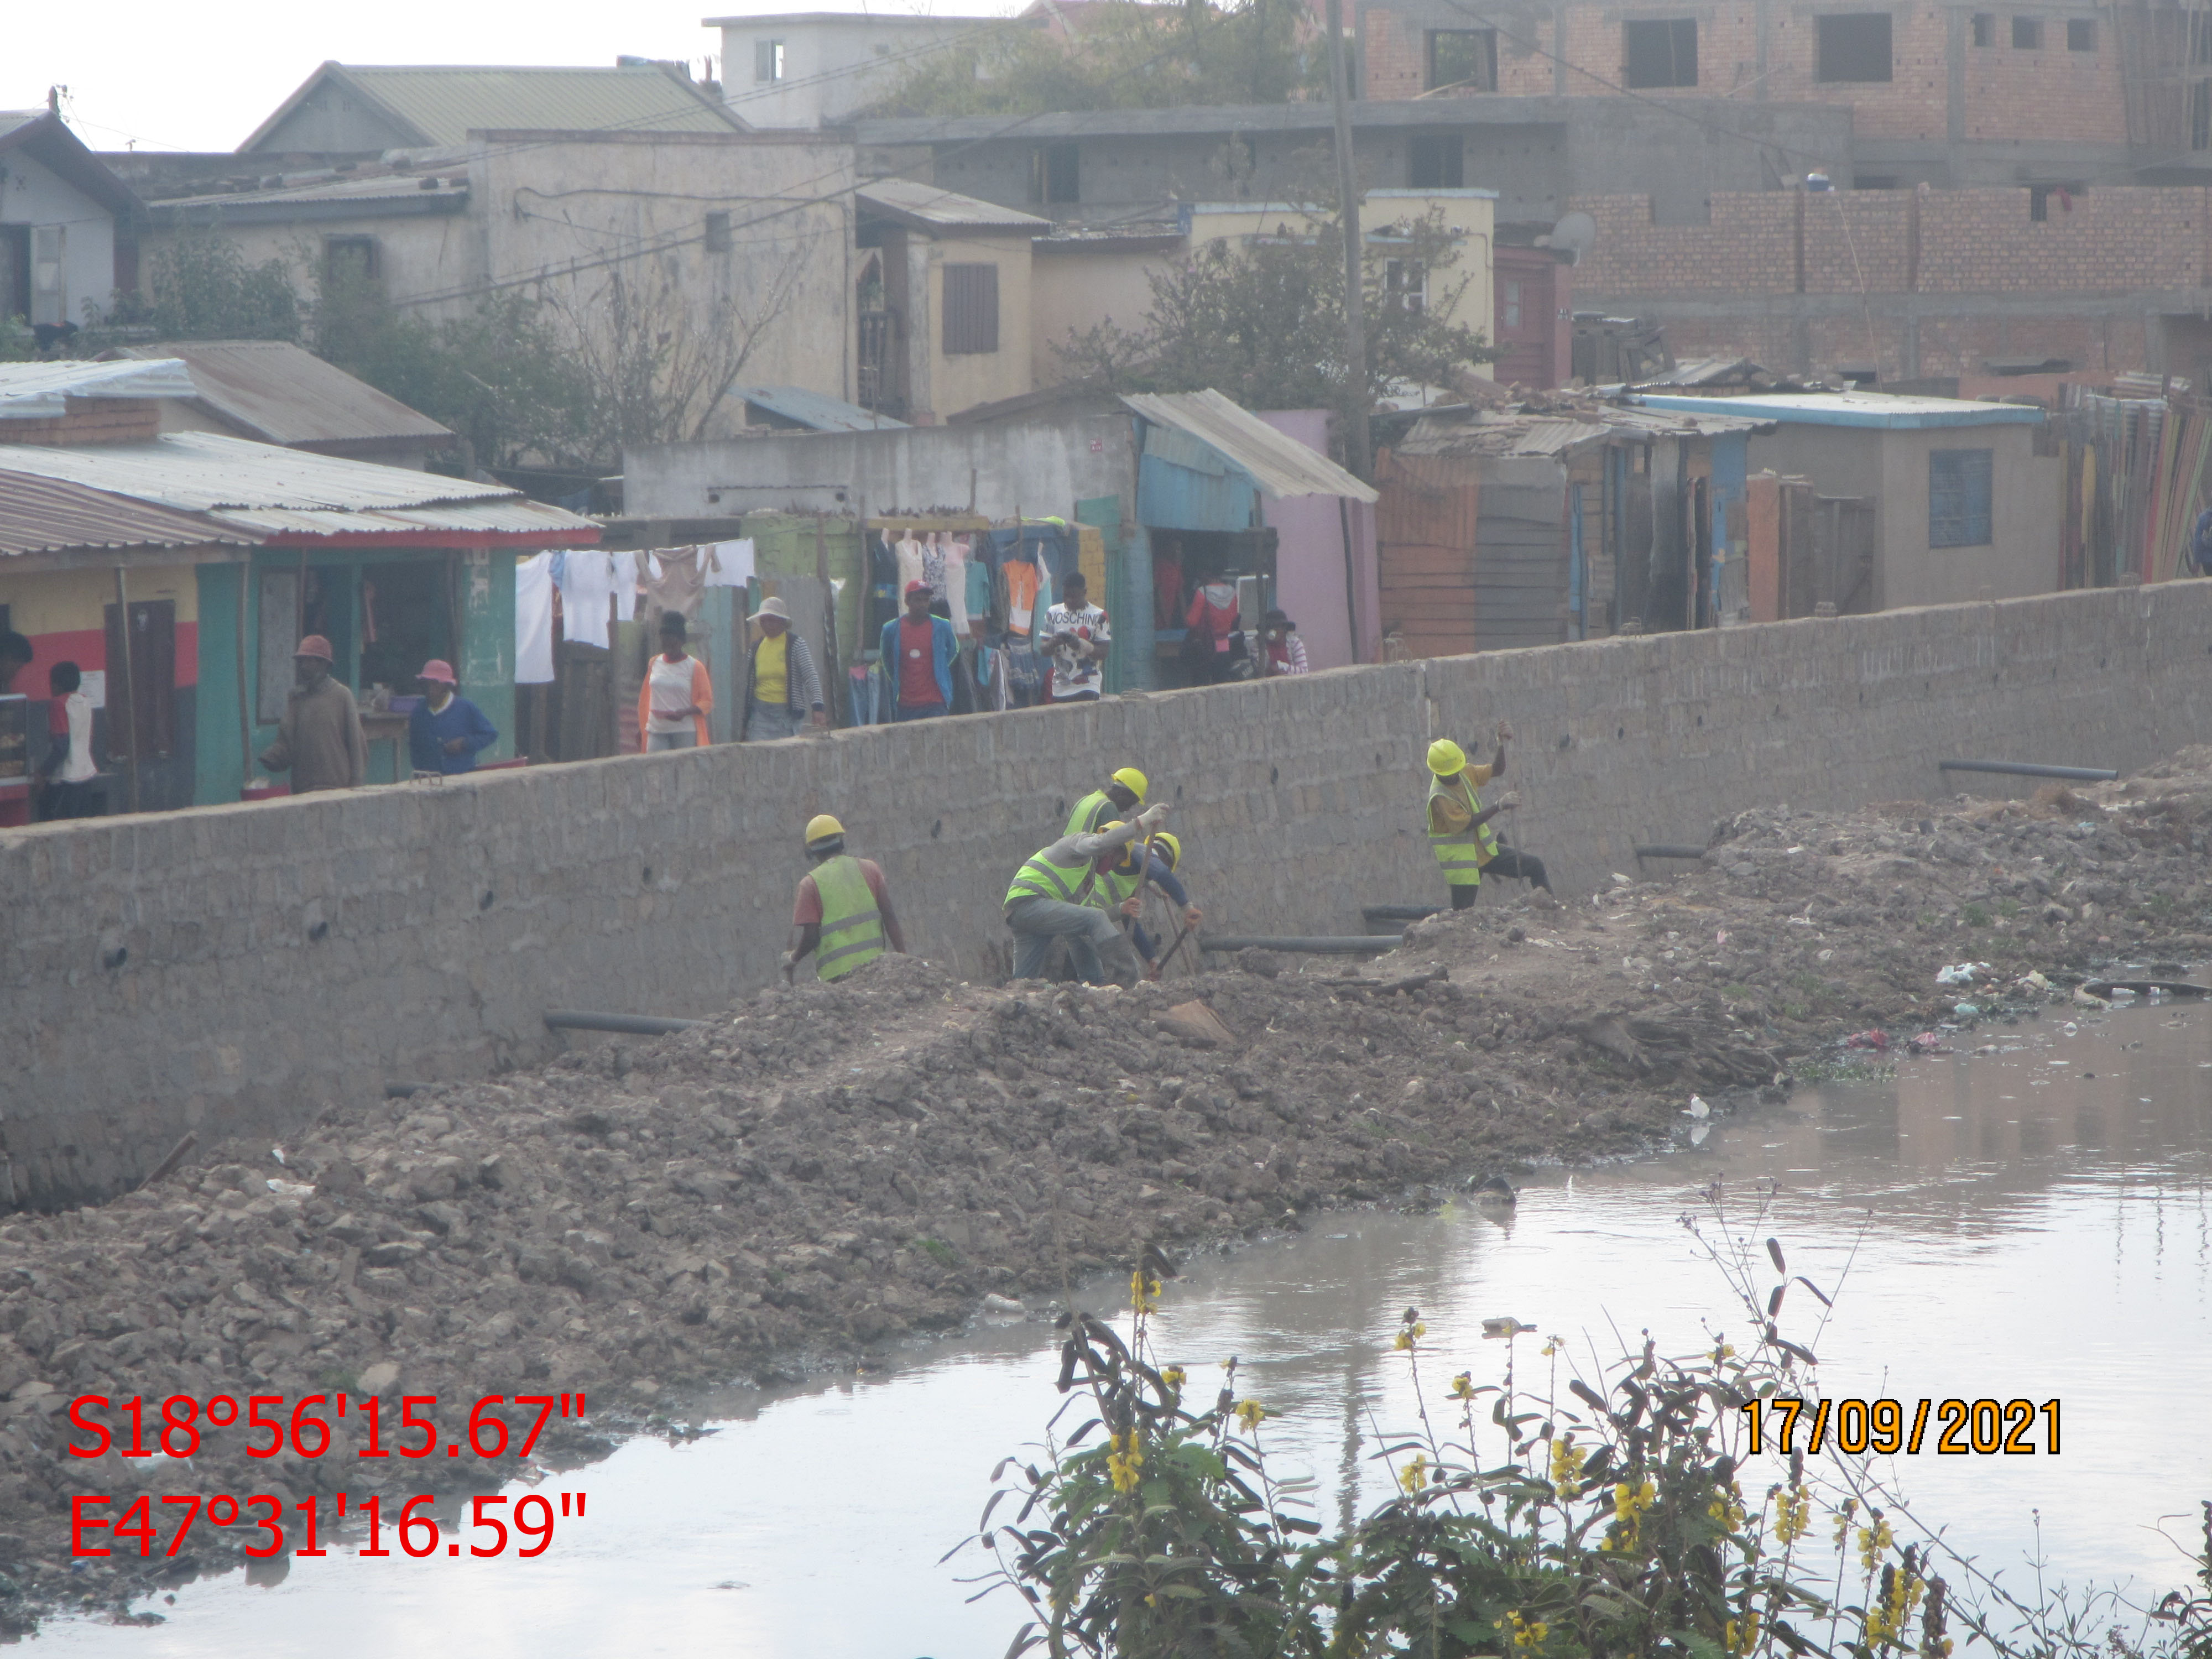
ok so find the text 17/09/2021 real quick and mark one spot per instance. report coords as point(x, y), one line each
point(171, 1426)
point(1981, 1428)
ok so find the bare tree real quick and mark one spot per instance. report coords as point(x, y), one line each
point(661, 354)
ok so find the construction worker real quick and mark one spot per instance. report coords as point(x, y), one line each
point(1459, 824)
point(1120, 890)
point(1122, 794)
point(844, 908)
point(1050, 898)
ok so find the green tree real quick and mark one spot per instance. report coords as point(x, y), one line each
point(1123, 55)
point(201, 287)
point(496, 374)
point(1264, 324)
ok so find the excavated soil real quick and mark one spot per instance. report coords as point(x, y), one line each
point(820, 1173)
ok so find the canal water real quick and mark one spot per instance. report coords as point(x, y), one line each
point(2032, 1222)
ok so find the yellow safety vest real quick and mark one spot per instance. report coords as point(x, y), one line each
point(1462, 853)
point(1090, 812)
point(1041, 878)
point(852, 925)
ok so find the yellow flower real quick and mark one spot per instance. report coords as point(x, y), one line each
point(1463, 1386)
point(1741, 1637)
point(1793, 1515)
point(1629, 1503)
point(1249, 1413)
point(1550, 1348)
point(1144, 1292)
point(1527, 1636)
point(1886, 1619)
point(1415, 1474)
point(1175, 1376)
point(1123, 1459)
point(1843, 1521)
point(1726, 1507)
point(1567, 1460)
point(1874, 1544)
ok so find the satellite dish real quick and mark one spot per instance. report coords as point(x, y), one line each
point(1577, 232)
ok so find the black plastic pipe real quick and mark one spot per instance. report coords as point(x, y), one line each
point(2029, 769)
point(1324, 946)
point(572, 1019)
point(1664, 851)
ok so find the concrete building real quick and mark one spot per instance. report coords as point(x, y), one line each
point(61, 257)
point(1936, 500)
point(815, 69)
point(737, 246)
point(221, 553)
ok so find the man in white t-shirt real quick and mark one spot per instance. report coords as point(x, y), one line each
point(1075, 635)
point(69, 767)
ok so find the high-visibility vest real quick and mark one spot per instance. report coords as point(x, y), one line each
point(1118, 886)
point(1041, 878)
point(852, 925)
point(1461, 853)
point(1091, 813)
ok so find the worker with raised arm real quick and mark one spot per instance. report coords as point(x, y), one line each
point(1120, 890)
point(1117, 798)
point(1459, 824)
point(843, 910)
point(1050, 898)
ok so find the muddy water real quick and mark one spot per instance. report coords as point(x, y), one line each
point(2035, 1221)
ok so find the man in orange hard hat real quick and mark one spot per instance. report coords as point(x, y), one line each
point(320, 739)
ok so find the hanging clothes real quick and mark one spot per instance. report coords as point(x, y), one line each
point(533, 619)
point(679, 585)
point(625, 587)
point(909, 561)
point(978, 566)
point(1021, 579)
point(952, 572)
point(730, 564)
point(586, 593)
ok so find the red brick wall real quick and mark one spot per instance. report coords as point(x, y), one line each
point(1970, 241)
point(2050, 95)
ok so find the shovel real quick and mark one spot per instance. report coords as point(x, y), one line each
point(1159, 968)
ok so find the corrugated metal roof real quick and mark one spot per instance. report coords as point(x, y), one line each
point(445, 103)
point(270, 491)
point(40, 391)
point(1279, 464)
point(49, 515)
point(284, 395)
point(927, 208)
point(1505, 433)
point(394, 187)
point(817, 409)
point(1861, 408)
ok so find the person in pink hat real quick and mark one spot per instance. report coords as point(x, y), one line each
point(319, 739)
point(446, 731)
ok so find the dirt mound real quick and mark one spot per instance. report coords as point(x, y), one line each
point(822, 1171)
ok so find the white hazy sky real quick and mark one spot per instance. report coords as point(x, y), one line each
point(199, 76)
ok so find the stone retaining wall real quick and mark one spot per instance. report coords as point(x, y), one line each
point(234, 968)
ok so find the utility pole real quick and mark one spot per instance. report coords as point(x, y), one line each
point(1358, 457)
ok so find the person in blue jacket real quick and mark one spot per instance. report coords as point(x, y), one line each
point(918, 649)
point(446, 731)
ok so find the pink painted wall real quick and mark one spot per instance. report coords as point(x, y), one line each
point(1310, 558)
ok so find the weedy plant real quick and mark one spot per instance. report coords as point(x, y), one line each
point(1558, 1513)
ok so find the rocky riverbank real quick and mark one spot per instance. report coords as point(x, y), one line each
point(821, 1173)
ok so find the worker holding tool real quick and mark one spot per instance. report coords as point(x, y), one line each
point(844, 908)
point(1459, 824)
point(1123, 793)
point(1050, 898)
point(1121, 889)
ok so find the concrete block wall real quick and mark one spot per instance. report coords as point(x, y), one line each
point(237, 967)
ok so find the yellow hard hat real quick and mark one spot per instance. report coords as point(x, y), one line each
point(1446, 759)
point(1132, 780)
point(1174, 846)
point(823, 827)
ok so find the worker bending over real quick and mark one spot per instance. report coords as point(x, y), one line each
point(1120, 890)
point(1459, 824)
point(844, 908)
point(1050, 898)
point(1122, 794)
